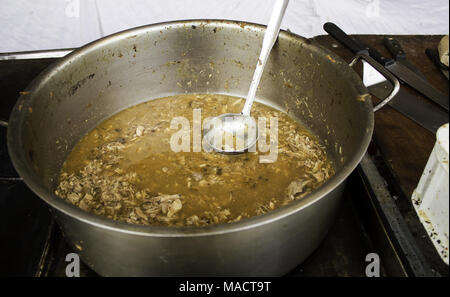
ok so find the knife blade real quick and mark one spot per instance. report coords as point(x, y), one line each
point(399, 55)
point(399, 70)
point(419, 84)
point(425, 113)
point(433, 55)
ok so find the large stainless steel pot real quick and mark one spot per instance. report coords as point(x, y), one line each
point(68, 99)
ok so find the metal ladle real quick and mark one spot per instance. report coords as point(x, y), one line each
point(239, 130)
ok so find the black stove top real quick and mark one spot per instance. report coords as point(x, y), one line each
point(31, 243)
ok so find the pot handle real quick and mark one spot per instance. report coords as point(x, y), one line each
point(383, 71)
point(13, 178)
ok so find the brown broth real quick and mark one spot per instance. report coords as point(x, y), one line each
point(125, 170)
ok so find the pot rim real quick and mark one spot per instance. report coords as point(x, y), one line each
point(31, 179)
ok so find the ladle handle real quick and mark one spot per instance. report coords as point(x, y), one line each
point(270, 37)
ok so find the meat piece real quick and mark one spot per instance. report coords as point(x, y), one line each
point(84, 205)
point(140, 213)
point(73, 197)
point(174, 207)
point(192, 220)
point(296, 188)
point(140, 130)
point(197, 176)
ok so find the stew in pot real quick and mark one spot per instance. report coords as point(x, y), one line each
point(125, 169)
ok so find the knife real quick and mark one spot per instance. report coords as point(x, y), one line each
point(423, 112)
point(399, 70)
point(399, 55)
point(426, 114)
point(433, 55)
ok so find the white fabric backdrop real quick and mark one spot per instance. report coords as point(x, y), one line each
point(49, 24)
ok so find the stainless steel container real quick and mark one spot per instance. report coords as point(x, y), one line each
point(71, 97)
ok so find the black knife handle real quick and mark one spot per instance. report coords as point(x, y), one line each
point(354, 45)
point(379, 57)
point(394, 48)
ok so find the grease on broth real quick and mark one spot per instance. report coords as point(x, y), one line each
point(125, 170)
